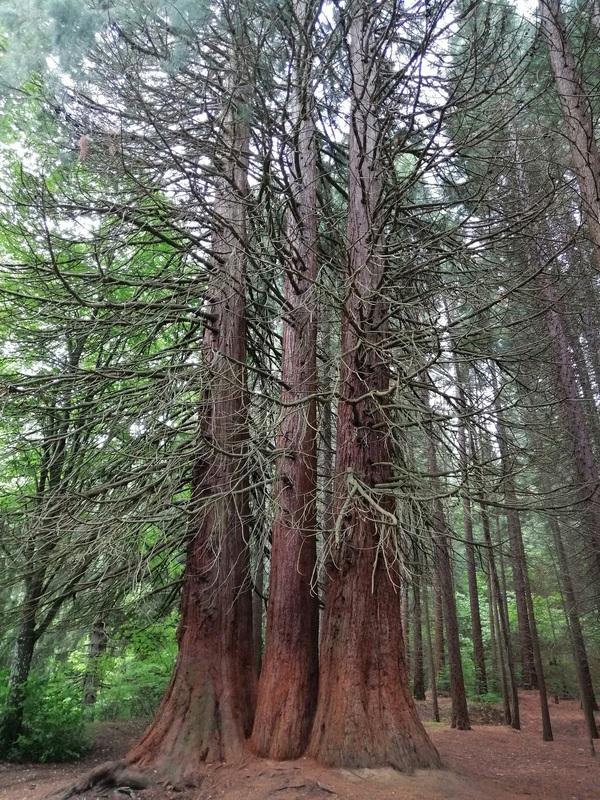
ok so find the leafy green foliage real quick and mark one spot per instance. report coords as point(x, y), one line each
point(53, 728)
point(133, 680)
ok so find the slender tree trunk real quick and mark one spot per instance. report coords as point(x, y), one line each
point(577, 115)
point(477, 636)
point(418, 667)
point(500, 657)
point(540, 253)
point(506, 658)
point(443, 564)
point(515, 717)
point(97, 646)
point(537, 655)
point(207, 711)
point(494, 672)
point(478, 649)
point(287, 690)
point(438, 627)
point(583, 378)
point(584, 677)
point(431, 658)
point(365, 713)
point(516, 553)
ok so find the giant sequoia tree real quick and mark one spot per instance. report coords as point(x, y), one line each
point(291, 222)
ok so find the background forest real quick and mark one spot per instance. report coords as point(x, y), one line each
point(299, 339)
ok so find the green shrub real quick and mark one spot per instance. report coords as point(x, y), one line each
point(134, 680)
point(53, 724)
point(488, 697)
point(133, 689)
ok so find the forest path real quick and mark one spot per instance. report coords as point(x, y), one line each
point(491, 762)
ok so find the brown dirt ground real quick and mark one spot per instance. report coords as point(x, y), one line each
point(491, 762)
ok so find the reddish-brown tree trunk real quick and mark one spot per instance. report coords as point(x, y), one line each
point(258, 607)
point(207, 711)
point(287, 691)
point(405, 618)
point(365, 714)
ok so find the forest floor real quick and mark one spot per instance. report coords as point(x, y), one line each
point(490, 762)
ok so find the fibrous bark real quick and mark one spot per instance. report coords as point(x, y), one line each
point(287, 691)
point(207, 711)
point(365, 714)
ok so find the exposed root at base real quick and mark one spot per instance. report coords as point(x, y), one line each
point(109, 775)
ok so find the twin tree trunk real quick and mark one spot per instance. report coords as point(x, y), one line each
point(287, 690)
point(365, 714)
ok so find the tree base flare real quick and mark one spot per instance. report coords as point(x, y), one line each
point(109, 775)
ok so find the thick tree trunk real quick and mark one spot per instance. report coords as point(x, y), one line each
point(208, 708)
point(287, 691)
point(405, 618)
point(365, 714)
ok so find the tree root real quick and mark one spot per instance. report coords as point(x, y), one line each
point(110, 775)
